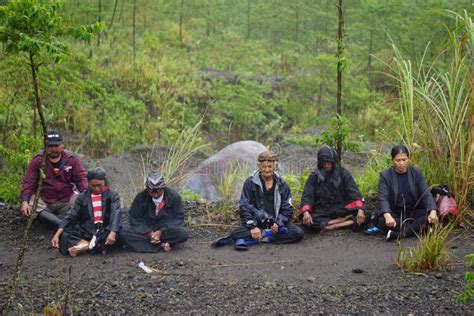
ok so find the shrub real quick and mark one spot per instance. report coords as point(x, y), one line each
point(468, 293)
point(16, 160)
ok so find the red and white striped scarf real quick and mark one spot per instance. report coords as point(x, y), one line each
point(159, 204)
point(97, 207)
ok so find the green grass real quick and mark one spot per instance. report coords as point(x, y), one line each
point(468, 292)
point(431, 253)
point(227, 188)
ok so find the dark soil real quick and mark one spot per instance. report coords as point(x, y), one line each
point(337, 272)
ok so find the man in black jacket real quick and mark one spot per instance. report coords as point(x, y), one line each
point(331, 198)
point(97, 214)
point(265, 203)
point(156, 218)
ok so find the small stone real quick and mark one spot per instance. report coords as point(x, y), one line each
point(181, 264)
point(311, 279)
point(357, 271)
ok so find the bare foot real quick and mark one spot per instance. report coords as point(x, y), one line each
point(165, 246)
point(81, 247)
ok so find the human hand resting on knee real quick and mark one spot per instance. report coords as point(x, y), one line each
point(307, 218)
point(256, 234)
point(389, 220)
point(55, 240)
point(111, 238)
point(433, 217)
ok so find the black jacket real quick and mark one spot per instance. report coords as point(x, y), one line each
point(81, 213)
point(142, 215)
point(388, 190)
point(252, 208)
point(330, 191)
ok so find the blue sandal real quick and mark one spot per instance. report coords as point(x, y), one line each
point(374, 230)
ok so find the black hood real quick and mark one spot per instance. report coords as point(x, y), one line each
point(326, 153)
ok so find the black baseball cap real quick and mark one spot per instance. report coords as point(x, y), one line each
point(55, 137)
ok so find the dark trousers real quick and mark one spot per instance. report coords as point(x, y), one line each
point(295, 234)
point(72, 236)
point(413, 223)
point(141, 242)
point(322, 217)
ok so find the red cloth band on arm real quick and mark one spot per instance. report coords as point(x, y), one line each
point(306, 208)
point(355, 205)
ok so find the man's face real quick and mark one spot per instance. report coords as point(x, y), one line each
point(327, 165)
point(155, 193)
point(267, 168)
point(54, 151)
point(96, 186)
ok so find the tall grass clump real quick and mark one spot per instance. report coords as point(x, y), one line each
point(431, 253)
point(228, 190)
point(176, 161)
point(173, 166)
point(436, 108)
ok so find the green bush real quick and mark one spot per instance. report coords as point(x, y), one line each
point(16, 160)
point(468, 293)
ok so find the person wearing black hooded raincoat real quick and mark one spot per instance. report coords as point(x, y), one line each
point(331, 198)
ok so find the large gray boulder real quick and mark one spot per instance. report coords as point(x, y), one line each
point(236, 160)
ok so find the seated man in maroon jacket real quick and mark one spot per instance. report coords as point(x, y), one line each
point(331, 198)
point(64, 176)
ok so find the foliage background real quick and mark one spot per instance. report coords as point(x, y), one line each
point(253, 69)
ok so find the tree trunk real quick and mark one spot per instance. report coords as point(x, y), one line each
point(340, 68)
point(340, 53)
point(297, 21)
point(369, 60)
point(181, 22)
point(248, 19)
point(134, 48)
point(34, 214)
point(39, 106)
point(100, 20)
point(113, 15)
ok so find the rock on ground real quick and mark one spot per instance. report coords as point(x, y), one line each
point(239, 158)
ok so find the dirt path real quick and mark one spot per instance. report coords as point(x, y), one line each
point(316, 275)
